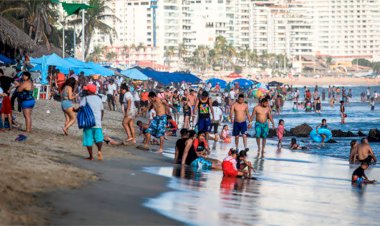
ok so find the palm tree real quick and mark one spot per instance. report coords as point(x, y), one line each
point(35, 17)
point(244, 55)
point(220, 48)
point(141, 46)
point(230, 55)
point(169, 53)
point(111, 56)
point(182, 52)
point(253, 58)
point(94, 20)
point(96, 54)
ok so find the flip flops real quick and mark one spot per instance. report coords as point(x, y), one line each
point(21, 138)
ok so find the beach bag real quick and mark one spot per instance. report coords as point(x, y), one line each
point(85, 117)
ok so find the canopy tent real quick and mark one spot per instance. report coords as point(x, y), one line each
point(6, 60)
point(133, 73)
point(186, 77)
point(167, 78)
point(100, 69)
point(243, 83)
point(234, 75)
point(36, 60)
point(214, 81)
point(275, 83)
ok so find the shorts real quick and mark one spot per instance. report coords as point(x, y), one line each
point(201, 163)
point(66, 104)
point(92, 135)
point(110, 98)
point(137, 104)
point(367, 160)
point(157, 126)
point(144, 103)
point(6, 107)
point(262, 129)
point(239, 128)
point(186, 113)
point(204, 124)
point(177, 109)
point(131, 113)
point(27, 104)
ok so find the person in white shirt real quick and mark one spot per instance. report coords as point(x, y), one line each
point(218, 116)
point(129, 114)
point(219, 99)
point(136, 98)
point(232, 95)
point(111, 92)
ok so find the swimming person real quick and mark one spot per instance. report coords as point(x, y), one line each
point(25, 95)
point(67, 96)
point(363, 152)
point(323, 125)
point(262, 113)
point(359, 177)
point(280, 133)
point(343, 115)
point(180, 146)
point(295, 146)
point(239, 114)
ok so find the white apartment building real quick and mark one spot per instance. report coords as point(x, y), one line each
point(238, 16)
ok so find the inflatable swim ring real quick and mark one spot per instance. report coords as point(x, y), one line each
point(316, 137)
point(227, 140)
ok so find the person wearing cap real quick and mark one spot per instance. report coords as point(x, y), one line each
point(204, 108)
point(94, 134)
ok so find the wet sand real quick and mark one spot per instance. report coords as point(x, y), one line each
point(42, 174)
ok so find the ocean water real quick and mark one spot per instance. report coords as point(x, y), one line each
point(291, 188)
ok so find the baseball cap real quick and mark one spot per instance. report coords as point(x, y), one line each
point(90, 88)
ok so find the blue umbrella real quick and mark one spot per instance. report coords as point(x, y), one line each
point(6, 60)
point(133, 73)
point(214, 81)
point(243, 83)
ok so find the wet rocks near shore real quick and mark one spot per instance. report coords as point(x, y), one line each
point(301, 130)
point(340, 133)
point(374, 135)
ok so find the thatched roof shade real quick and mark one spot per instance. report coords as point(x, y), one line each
point(14, 37)
point(43, 50)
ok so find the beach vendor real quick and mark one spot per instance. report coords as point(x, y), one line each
point(262, 113)
point(239, 114)
point(157, 126)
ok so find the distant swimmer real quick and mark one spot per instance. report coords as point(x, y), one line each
point(363, 152)
point(359, 177)
point(239, 114)
point(343, 114)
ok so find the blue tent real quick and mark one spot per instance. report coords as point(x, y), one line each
point(133, 73)
point(36, 60)
point(98, 69)
point(186, 77)
point(6, 60)
point(214, 81)
point(167, 78)
point(243, 83)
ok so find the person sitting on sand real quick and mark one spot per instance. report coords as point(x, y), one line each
point(172, 127)
point(243, 164)
point(224, 135)
point(359, 177)
point(229, 165)
point(295, 146)
point(180, 146)
point(323, 125)
point(364, 152)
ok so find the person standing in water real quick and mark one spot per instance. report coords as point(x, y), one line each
point(204, 108)
point(239, 114)
point(343, 115)
point(262, 113)
point(363, 152)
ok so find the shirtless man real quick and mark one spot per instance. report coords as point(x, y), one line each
point(239, 114)
point(363, 152)
point(262, 114)
point(157, 126)
point(192, 98)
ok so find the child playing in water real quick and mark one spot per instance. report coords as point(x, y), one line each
point(372, 103)
point(171, 127)
point(224, 136)
point(323, 125)
point(280, 133)
point(143, 127)
point(229, 165)
point(243, 164)
point(359, 177)
point(295, 146)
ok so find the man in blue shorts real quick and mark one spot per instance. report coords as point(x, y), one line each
point(262, 113)
point(239, 114)
point(204, 108)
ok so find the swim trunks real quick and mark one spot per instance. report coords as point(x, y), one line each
point(157, 126)
point(26, 104)
point(204, 124)
point(201, 163)
point(91, 135)
point(262, 129)
point(66, 104)
point(240, 128)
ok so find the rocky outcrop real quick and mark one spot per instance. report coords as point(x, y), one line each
point(301, 130)
point(331, 141)
point(361, 134)
point(374, 135)
point(340, 133)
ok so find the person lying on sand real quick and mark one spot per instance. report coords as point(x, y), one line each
point(359, 177)
point(110, 141)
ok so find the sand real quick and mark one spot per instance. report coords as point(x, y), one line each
point(48, 162)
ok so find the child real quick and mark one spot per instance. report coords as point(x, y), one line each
point(295, 146)
point(229, 165)
point(323, 125)
point(171, 128)
point(224, 136)
point(372, 103)
point(318, 105)
point(359, 177)
point(143, 127)
point(280, 133)
point(110, 141)
point(243, 164)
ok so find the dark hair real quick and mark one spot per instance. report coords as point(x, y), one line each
point(263, 100)
point(224, 126)
point(204, 94)
point(281, 120)
point(1, 71)
point(169, 117)
point(324, 120)
point(363, 139)
point(152, 94)
point(184, 131)
point(192, 90)
point(232, 151)
point(353, 142)
point(201, 132)
point(27, 74)
point(241, 95)
point(243, 154)
point(293, 141)
point(70, 82)
point(138, 122)
point(192, 133)
point(124, 86)
point(215, 103)
point(341, 101)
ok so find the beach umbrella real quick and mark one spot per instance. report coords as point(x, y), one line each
point(243, 83)
point(55, 60)
point(133, 73)
point(215, 81)
point(275, 83)
point(6, 60)
point(234, 75)
point(36, 60)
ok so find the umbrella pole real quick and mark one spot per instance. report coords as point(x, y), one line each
point(83, 33)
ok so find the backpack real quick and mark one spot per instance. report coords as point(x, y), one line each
point(85, 117)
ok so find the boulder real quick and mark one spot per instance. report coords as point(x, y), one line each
point(301, 130)
point(287, 133)
point(331, 141)
point(374, 135)
point(272, 133)
point(340, 133)
point(361, 134)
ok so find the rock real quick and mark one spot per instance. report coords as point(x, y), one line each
point(331, 141)
point(301, 130)
point(361, 134)
point(374, 135)
point(272, 133)
point(340, 133)
point(287, 133)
